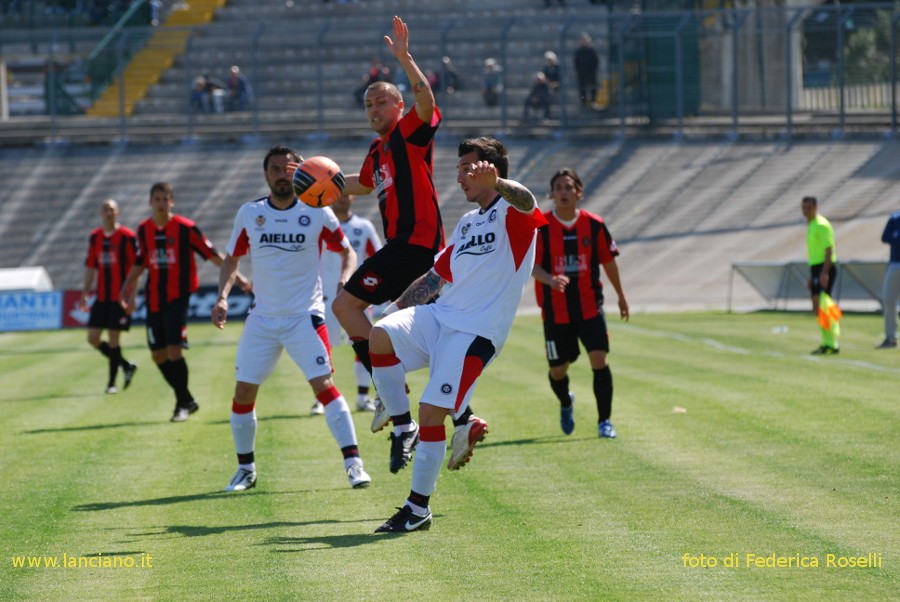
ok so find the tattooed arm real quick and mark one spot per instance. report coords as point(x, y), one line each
point(517, 195)
point(420, 292)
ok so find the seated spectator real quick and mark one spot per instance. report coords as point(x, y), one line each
point(493, 83)
point(551, 70)
point(240, 92)
point(449, 77)
point(214, 98)
point(376, 73)
point(199, 101)
point(540, 97)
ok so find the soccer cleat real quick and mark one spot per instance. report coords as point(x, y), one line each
point(402, 446)
point(404, 521)
point(183, 412)
point(605, 429)
point(242, 480)
point(888, 344)
point(111, 389)
point(464, 439)
point(358, 477)
point(129, 371)
point(364, 404)
point(567, 416)
point(826, 350)
point(317, 409)
point(381, 417)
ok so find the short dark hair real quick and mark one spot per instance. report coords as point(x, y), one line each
point(489, 149)
point(567, 171)
point(277, 151)
point(810, 199)
point(163, 187)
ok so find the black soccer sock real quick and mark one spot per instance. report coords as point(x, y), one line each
point(179, 369)
point(418, 499)
point(246, 458)
point(362, 390)
point(351, 451)
point(603, 391)
point(561, 390)
point(166, 369)
point(361, 347)
point(115, 358)
point(463, 419)
point(103, 348)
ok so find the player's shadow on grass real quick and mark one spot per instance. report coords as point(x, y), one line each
point(555, 439)
point(266, 418)
point(203, 531)
point(174, 499)
point(324, 542)
point(91, 427)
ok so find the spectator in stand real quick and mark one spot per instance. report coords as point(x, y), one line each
point(586, 64)
point(449, 76)
point(376, 73)
point(540, 97)
point(199, 100)
point(493, 82)
point(240, 91)
point(214, 98)
point(551, 70)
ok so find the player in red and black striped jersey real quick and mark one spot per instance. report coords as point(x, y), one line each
point(166, 246)
point(111, 254)
point(398, 168)
point(570, 250)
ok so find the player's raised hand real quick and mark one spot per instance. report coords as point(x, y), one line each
point(483, 173)
point(399, 45)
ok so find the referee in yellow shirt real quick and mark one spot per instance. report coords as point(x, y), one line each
point(822, 265)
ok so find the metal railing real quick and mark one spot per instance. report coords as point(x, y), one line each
point(830, 69)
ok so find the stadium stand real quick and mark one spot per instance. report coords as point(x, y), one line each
point(681, 213)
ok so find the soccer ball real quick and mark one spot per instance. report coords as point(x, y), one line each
point(318, 182)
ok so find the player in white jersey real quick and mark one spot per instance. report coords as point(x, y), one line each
point(284, 239)
point(365, 241)
point(483, 270)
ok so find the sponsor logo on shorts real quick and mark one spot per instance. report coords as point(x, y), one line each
point(320, 360)
point(446, 388)
point(370, 281)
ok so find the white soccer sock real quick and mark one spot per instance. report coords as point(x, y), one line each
point(427, 465)
point(337, 415)
point(243, 430)
point(391, 384)
point(363, 379)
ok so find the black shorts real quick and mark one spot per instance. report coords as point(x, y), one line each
point(815, 271)
point(561, 340)
point(109, 315)
point(169, 326)
point(385, 275)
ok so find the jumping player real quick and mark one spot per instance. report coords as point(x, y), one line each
point(284, 240)
point(485, 268)
point(111, 254)
point(570, 250)
point(399, 170)
point(166, 246)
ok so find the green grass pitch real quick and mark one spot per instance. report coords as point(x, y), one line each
point(737, 450)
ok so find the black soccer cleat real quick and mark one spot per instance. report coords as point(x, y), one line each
point(402, 446)
point(404, 521)
point(129, 370)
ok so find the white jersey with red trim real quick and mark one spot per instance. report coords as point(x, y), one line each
point(364, 240)
point(285, 248)
point(487, 263)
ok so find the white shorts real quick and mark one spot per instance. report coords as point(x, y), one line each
point(265, 336)
point(454, 358)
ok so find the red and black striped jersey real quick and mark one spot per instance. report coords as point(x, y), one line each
point(578, 253)
point(399, 167)
point(112, 256)
point(168, 255)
